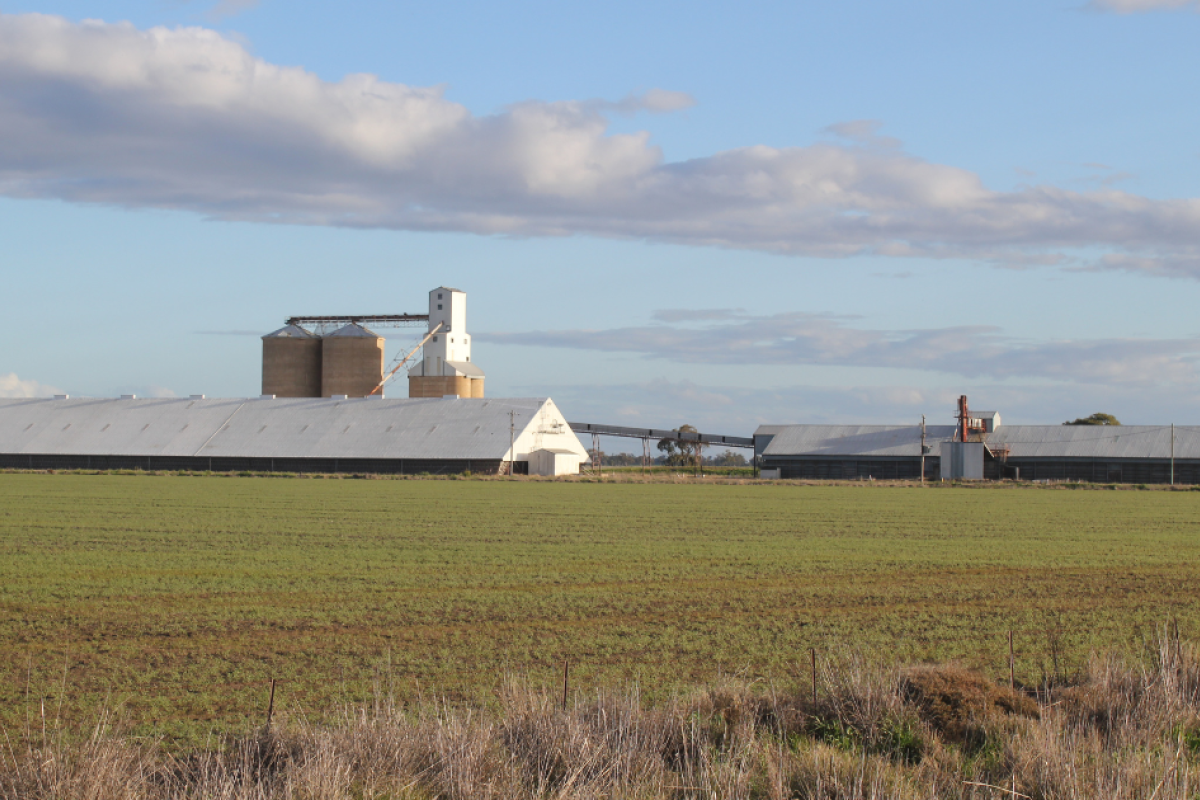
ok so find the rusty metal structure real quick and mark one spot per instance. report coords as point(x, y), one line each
point(969, 426)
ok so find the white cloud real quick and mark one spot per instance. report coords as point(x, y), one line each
point(822, 340)
point(655, 101)
point(13, 386)
point(1139, 6)
point(186, 118)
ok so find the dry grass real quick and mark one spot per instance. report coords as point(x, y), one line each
point(1118, 730)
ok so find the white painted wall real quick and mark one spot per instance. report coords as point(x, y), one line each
point(553, 462)
point(452, 342)
point(546, 428)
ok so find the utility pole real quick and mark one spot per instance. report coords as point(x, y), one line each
point(1172, 453)
point(512, 441)
point(924, 448)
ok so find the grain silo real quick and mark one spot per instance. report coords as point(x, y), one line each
point(351, 361)
point(291, 365)
point(446, 368)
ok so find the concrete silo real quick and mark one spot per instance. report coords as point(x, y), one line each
point(351, 361)
point(291, 365)
point(446, 368)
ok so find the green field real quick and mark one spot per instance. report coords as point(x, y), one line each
point(179, 597)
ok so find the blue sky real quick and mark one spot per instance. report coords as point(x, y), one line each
point(787, 212)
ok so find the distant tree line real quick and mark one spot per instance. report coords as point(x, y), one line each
point(728, 458)
point(677, 454)
point(1095, 419)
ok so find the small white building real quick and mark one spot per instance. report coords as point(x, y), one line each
point(555, 461)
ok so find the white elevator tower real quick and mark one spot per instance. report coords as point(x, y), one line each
point(446, 368)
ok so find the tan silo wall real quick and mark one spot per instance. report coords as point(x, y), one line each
point(476, 387)
point(351, 365)
point(291, 367)
point(438, 386)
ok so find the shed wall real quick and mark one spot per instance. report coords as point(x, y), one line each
point(850, 468)
point(391, 466)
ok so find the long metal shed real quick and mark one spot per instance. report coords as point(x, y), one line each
point(847, 452)
point(297, 435)
point(1098, 453)
point(1122, 454)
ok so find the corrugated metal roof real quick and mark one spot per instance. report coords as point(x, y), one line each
point(270, 428)
point(769, 430)
point(465, 368)
point(354, 330)
point(1023, 441)
point(856, 440)
point(1097, 441)
point(290, 332)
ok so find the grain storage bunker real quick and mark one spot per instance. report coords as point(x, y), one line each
point(291, 365)
point(351, 361)
point(446, 368)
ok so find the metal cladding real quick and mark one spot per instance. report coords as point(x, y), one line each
point(351, 362)
point(291, 365)
point(304, 428)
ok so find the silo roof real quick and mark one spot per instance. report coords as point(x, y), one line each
point(290, 332)
point(354, 330)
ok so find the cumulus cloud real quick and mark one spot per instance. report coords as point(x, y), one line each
point(655, 101)
point(1139, 6)
point(186, 118)
point(826, 340)
point(13, 386)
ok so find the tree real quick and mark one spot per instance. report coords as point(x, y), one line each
point(679, 453)
point(621, 460)
point(728, 459)
point(1095, 419)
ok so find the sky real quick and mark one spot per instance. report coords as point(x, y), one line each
point(661, 213)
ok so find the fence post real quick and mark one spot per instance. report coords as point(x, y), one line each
point(566, 679)
point(1012, 664)
point(271, 705)
point(812, 651)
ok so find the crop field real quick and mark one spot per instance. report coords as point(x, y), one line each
point(178, 598)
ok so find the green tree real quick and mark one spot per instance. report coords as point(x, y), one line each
point(679, 454)
point(1095, 419)
point(728, 459)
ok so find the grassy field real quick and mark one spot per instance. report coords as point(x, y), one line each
point(179, 597)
